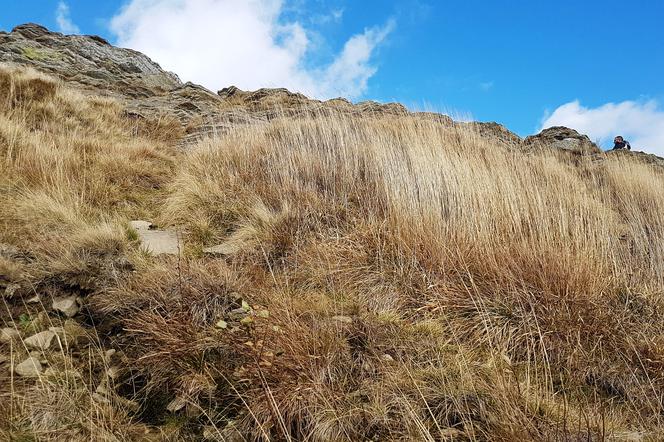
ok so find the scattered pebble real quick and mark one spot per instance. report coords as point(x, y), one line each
point(68, 305)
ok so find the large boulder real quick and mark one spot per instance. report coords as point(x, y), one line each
point(88, 61)
point(563, 138)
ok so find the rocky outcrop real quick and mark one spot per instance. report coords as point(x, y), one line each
point(88, 61)
point(563, 138)
point(496, 133)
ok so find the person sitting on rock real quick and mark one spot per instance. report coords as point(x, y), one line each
point(620, 143)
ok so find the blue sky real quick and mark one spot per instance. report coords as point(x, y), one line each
point(594, 65)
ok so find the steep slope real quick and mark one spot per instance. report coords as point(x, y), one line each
point(343, 272)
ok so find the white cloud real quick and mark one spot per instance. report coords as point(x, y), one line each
point(245, 43)
point(62, 17)
point(642, 123)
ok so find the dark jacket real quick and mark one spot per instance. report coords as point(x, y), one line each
point(621, 145)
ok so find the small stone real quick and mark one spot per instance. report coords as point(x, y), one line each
point(68, 305)
point(346, 319)
point(31, 367)
point(108, 354)
point(245, 306)
point(221, 324)
point(9, 334)
point(386, 358)
point(34, 300)
point(176, 404)
point(40, 341)
point(160, 242)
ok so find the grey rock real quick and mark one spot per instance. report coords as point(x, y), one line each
point(563, 138)
point(30, 367)
point(176, 404)
point(9, 334)
point(155, 241)
point(40, 341)
point(68, 305)
point(160, 242)
point(90, 62)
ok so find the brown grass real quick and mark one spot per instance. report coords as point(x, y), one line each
point(383, 278)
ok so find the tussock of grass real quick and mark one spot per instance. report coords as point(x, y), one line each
point(377, 278)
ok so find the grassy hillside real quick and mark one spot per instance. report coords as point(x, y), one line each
point(377, 278)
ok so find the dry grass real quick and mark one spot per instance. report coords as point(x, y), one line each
point(383, 278)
